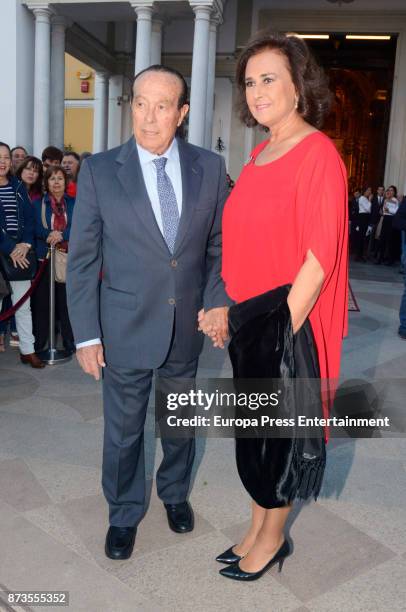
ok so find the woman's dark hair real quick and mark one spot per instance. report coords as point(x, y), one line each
point(4, 144)
point(366, 189)
point(53, 170)
point(309, 79)
point(395, 189)
point(37, 165)
point(183, 98)
point(52, 153)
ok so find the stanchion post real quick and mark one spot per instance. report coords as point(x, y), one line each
point(52, 299)
point(52, 355)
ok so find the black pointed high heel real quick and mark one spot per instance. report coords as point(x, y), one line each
point(236, 573)
point(229, 557)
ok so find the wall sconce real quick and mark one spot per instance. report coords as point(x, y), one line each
point(84, 76)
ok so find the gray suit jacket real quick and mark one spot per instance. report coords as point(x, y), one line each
point(143, 285)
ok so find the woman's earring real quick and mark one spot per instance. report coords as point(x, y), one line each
point(296, 101)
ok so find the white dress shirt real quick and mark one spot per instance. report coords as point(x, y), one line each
point(364, 205)
point(149, 173)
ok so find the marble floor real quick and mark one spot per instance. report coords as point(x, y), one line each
point(349, 546)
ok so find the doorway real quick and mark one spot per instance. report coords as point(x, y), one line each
point(361, 78)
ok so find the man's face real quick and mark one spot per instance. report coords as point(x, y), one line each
point(71, 166)
point(17, 156)
point(50, 162)
point(155, 111)
point(380, 191)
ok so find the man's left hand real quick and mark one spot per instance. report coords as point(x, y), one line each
point(214, 323)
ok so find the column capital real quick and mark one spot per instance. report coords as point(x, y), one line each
point(43, 14)
point(216, 6)
point(215, 20)
point(39, 8)
point(143, 9)
point(202, 11)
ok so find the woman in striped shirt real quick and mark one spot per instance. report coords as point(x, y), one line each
point(16, 238)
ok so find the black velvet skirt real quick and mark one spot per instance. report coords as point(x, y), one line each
point(275, 471)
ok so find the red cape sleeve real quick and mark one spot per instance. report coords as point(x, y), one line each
point(322, 207)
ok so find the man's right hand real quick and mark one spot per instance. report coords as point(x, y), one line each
point(91, 359)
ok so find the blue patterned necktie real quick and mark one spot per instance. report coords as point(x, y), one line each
point(167, 200)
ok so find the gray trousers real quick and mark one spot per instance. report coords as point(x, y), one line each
point(125, 397)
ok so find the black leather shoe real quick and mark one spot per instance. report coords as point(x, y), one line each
point(228, 557)
point(120, 542)
point(236, 573)
point(180, 517)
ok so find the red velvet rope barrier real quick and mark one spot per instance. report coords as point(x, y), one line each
point(9, 313)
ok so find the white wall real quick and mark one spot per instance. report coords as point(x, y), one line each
point(16, 51)
point(8, 110)
point(25, 76)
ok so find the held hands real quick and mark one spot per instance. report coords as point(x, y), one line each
point(214, 323)
point(19, 255)
point(54, 237)
point(91, 359)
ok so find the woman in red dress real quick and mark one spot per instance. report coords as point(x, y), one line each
point(295, 235)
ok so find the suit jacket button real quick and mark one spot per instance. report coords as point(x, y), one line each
point(172, 301)
point(174, 263)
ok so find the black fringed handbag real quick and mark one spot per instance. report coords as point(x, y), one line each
point(277, 470)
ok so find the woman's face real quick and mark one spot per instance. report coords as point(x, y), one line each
point(269, 89)
point(367, 192)
point(5, 162)
point(30, 174)
point(56, 184)
point(390, 192)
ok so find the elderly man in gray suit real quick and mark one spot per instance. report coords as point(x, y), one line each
point(148, 216)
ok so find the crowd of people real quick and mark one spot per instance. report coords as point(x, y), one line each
point(375, 232)
point(37, 197)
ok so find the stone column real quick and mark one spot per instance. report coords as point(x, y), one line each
point(124, 45)
point(156, 41)
point(249, 142)
point(100, 116)
point(42, 77)
point(115, 110)
point(57, 101)
point(211, 78)
point(144, 30)
point(198, 89)
point(395, 170)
